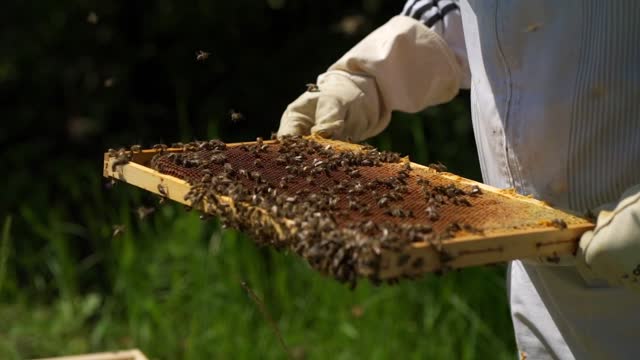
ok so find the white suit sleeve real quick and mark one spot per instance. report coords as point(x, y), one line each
point(444, 18)
point(413, 67)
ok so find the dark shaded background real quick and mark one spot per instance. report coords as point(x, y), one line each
point(71, 88)
point(73, 84)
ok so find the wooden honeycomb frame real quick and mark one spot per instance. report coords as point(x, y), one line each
point(498, 245)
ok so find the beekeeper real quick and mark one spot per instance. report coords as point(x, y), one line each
point(555, 95)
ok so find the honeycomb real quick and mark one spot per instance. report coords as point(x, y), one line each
point(340, 206)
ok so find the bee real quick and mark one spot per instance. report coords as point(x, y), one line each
point(255, 175)
point(461, 201)
point(110, 183)
point(218, 159)
point(143, 212)
point(354, 173)
point(92, 18)
point(228, 169)
point(202, 55)
point(402, 176)
point(236, 116)
point(177, 145)
point(281, 160)
point(369, 226)
point(559, 223)
point(432, 213)
point(475, 190)
point(160, 147)
point(533, 27)
point(257, 163)
point(396, 212)
point(119, 161)
point(136, 148)
point(162, 190)
point(439, 167)
point(383, 202)
point(117, 230)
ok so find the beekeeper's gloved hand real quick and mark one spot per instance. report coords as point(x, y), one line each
point(403, 65)
point(344, 105)
point(612, 250)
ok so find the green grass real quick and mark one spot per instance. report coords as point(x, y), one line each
point(176, 293)
point(171, 285)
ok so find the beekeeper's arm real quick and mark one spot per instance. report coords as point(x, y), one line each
point(612, 250)
point(415, 60)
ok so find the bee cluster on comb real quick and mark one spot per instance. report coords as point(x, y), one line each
point(337, 208)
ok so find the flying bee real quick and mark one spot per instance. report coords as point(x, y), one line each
point(143, 212)
point(117, 230)
point(312, 87)
point(110, 183)
point(202, 55)
point(236, 116)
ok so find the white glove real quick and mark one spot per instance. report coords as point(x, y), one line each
point(343, 106)
point(402, 65)
point(612, 250)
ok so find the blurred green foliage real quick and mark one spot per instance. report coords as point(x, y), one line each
point(79, 76)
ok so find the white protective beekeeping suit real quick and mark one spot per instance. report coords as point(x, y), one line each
point(555, 93)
